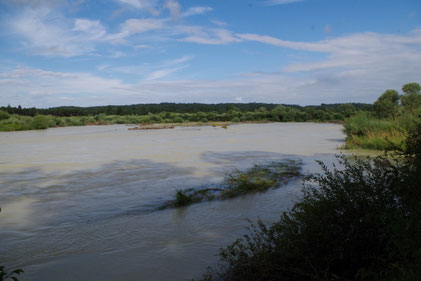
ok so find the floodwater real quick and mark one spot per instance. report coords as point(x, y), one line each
point(80, 203)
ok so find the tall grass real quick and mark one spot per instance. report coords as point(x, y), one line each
point(366, 131)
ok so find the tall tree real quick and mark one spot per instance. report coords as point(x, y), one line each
point(387, 104)
point(412, 97)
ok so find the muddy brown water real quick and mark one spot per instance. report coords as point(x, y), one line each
point(79, 203)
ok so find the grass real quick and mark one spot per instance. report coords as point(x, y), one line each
point(257, 179)
point(365, 131)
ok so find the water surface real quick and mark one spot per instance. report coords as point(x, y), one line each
point(79, 203)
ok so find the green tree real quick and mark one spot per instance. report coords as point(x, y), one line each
point(278, 113)
point(347, 109)
point(4, 115)
point(412, 97)
point(411, 88)
point(387, 104)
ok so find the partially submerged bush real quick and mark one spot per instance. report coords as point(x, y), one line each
point(5, 275)
point(257, 179)
point(182, 198)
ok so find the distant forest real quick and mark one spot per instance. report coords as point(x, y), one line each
point(144, 109)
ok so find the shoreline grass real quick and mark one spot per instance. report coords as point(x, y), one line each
point(365, 131)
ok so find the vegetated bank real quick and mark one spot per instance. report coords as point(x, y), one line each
point(358, 222)
point(389, 121)
point(17, 118)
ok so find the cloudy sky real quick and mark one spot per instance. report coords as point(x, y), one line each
point(82, 52)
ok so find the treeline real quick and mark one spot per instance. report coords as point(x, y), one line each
point(144, 109)
point(389, 122)
point(33, 118)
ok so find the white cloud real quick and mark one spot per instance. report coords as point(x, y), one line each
point(217, 36)
point(158, 74)
point(219, 23)
point(180, 60)
point(43, 31)
point(142, 46)
point(146, 5)
point(135, 26)
point(363, 50)
point(92, 27)
point(196, 11)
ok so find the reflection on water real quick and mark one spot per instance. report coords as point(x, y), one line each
point(80, 203)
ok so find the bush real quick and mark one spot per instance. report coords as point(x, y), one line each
point(360, 222)
point(178, 120)
point(40, 122)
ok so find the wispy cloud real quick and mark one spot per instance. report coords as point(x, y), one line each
point(213, 36)
point(196, 11)
point(46, 32)
point(219, 23)
point(135, 26)
point(161, 73)
point(145, 5)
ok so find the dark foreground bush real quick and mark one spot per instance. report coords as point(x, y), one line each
point(358, 222)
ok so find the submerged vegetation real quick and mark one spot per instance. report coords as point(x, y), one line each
point(257, 179)
point(358, 222)
point(12, 275)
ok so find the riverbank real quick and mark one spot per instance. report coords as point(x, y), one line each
point(279, 113)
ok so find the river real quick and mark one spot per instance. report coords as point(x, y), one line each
point(80, 203)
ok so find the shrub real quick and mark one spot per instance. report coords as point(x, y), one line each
point(40, 122)
point(178, 120)
point(358, 222)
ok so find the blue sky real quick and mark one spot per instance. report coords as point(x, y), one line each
point(81, 52)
